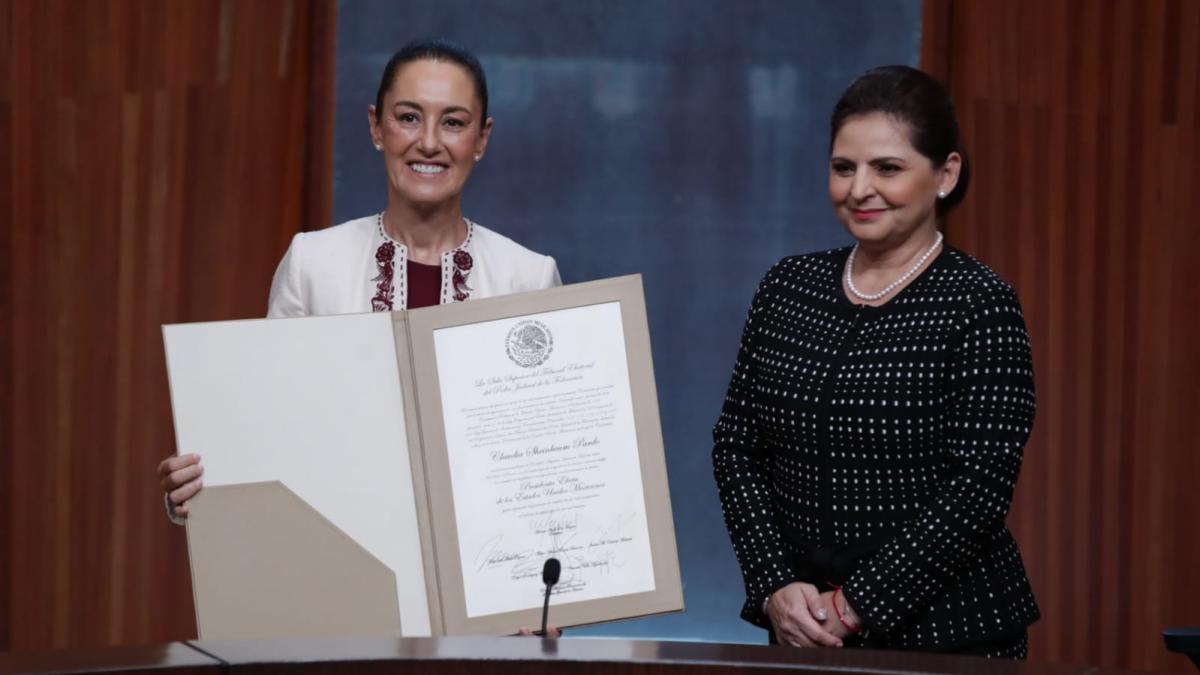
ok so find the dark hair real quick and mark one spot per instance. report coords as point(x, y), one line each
point(433, 50)
point(916, 98)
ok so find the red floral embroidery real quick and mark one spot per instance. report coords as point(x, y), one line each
point(385, 252)
point(462, 267)
point(384, 289)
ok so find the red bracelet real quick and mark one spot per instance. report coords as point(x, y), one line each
point(837, 610)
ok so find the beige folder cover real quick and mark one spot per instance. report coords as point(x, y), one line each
point(265, 564)
point(313, 403)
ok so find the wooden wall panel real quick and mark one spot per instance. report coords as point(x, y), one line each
point(158, 158)
point(1080, 119)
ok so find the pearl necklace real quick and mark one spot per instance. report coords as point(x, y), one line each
point(892, 286)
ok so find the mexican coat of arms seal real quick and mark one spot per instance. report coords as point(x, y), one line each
point(529, 343)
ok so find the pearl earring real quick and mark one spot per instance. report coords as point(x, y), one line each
point(941, 194)
point(478, 157)
point(379, 147)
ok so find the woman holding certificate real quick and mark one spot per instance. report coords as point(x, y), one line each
point(872, 434)
point(430, 125)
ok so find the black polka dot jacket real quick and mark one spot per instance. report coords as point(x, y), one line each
point(877, 448)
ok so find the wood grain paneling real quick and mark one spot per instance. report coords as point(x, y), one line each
point(1081, 121)
point(159, 156)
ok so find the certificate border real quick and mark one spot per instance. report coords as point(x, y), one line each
point(446, 584)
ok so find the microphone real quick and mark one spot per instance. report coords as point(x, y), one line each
point(550, 572)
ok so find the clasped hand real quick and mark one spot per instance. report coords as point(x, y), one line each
point(804, 617)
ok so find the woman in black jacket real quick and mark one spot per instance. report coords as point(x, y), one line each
point(874, 425)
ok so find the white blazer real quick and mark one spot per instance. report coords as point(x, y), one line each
point(333, 271)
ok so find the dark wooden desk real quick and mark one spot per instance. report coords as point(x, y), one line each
point(178, 658)
point(503, 656)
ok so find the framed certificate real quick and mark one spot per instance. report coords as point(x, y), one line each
point(480, 439)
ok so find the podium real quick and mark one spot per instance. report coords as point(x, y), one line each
point(1185, 641)
point(505, 656)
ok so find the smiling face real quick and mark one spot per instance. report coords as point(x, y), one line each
point(883, 190)
point(431, 132)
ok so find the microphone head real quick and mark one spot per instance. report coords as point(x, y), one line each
point(550, 571)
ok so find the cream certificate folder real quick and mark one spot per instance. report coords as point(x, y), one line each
point(409, 473)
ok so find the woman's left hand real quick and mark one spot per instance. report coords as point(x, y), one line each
point(832, 623)
point(800, 618)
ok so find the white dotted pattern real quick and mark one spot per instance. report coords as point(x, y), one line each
point(843, 422)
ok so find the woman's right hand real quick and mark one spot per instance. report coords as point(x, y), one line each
point(180, 479)
point(797, 612)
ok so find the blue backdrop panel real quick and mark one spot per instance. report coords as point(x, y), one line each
point(682, 139)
